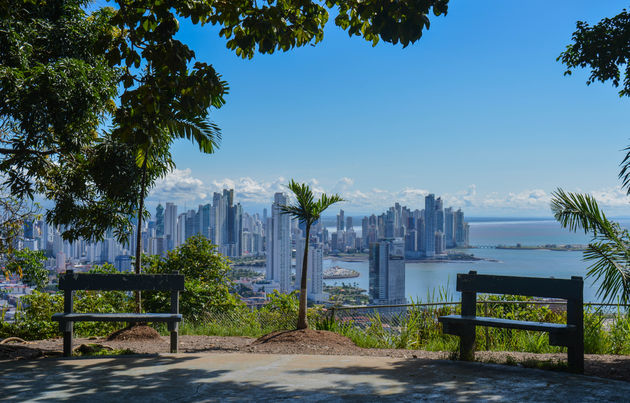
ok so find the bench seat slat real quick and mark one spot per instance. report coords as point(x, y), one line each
point(507, 323)
point(117, 317)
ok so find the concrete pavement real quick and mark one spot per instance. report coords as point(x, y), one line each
point(262, 377)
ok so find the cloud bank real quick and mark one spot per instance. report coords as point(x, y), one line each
point(182, 188)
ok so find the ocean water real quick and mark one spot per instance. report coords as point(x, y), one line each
point(423, 280)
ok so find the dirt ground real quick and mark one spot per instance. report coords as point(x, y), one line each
point(309, 342)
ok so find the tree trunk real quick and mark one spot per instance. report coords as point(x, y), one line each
point(138, 262)
point(302, 319)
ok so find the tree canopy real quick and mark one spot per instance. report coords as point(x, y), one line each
point(604, 48)
point(65, 74)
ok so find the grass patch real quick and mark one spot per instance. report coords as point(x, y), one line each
point(95, 350)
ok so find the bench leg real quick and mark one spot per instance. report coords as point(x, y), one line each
point(576, 358)
point(174, 336)
point(67, 339)
point(467, 343)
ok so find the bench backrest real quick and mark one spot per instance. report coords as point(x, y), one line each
point(527, 286)
point(571, 290)
point(70, 281)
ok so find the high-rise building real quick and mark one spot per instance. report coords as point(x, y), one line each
point(461, 237)
point(365, 230)
point(440, 243)
point(449, 227)
point(279, 244)
point(429, 225)
point(387, 272)
point(159, 220)
point(235, 230)
point(191, 220)
point(315, 273)
point(180, 238)
point(204, 220)
point(28, 229)
point(340, 221)
point(170, 226)
point(439, 215)
point(349, 225)
point(219, 207)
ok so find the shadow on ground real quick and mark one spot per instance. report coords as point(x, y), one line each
point(243, 377)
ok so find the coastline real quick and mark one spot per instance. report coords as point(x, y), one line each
point(365, 258)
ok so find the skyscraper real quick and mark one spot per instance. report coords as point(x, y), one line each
point(439, 215)
point(449, 228)
point(315, 279)
point(461, 229)
point(204, 219)
point(170, 225)
point(159, 220)
point(387, 272)
point(279, 244)
point(180, 237)
point(340, 221)
point(429, 225)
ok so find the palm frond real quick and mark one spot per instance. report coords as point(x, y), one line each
point(306, 209)
point(206, 134)
point(610, 269)
point(579, 211)
point(610, 245)
point(624, 174)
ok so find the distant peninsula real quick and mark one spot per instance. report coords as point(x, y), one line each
point(448, 258)
point(337, 272)
point(554, 247)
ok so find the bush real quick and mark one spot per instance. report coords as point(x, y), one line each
point(206, 280)
point(33, 317)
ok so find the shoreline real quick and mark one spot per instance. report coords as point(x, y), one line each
point(357, 259)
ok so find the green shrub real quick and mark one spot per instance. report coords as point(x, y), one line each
point(33, 316)
point(619, 333)
point(206, 280)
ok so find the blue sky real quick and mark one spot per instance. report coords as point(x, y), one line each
point(478, 111)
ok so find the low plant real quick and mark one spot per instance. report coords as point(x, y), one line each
point(207, 285)
point(34, 312)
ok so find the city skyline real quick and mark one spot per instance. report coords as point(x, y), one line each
point(189, 191)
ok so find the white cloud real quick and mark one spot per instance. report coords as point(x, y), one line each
point(612, 197)
point(181, 187)
point(343, 185)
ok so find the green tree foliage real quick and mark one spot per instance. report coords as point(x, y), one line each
point(605, 49)
point(307, 210)
point(27, 264)
point(58, 88)
point(206, 280)
point(30, 266)
point(60, 69)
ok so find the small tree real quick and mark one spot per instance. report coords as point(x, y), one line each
point(307, 211)
point(206, 279)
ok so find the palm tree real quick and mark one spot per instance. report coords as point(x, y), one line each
point(153, 154)
point(307, 210)
point(609, 249)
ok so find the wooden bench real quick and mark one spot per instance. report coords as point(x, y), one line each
point(70, 281)
point(570, 334)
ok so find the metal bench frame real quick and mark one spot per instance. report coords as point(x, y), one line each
point(570, 334)
point(70, 281)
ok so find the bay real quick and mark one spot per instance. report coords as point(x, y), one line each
point(425, 281)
